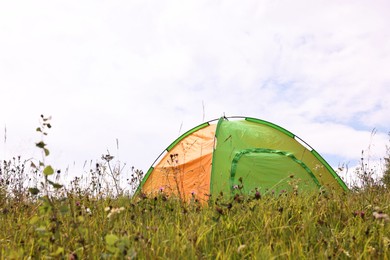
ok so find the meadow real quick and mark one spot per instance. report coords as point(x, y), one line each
point(289, 226)
point(42, 218)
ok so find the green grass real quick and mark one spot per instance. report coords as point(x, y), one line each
point(311, 226)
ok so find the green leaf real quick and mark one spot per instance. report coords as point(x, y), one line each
point(59, 252)
point(33, 165)
point(55, 185)
point(41, 144)
point(111, 239)
point(46, 151)
point(39, 129)
point(48, 170)
point(33, 191)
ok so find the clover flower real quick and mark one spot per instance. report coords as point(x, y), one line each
point(381, 216)
point(359, 213)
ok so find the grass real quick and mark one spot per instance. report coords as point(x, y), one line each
point(312, 226)
point(43, 219)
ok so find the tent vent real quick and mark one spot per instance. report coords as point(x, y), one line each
point(299, 140)
point(160, 156)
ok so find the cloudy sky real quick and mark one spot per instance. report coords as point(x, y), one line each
point(143, 72)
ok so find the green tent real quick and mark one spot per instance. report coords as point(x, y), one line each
point(238, 154)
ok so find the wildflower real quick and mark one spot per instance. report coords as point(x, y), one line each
point(86, 210)
point(235, 187)
point(381, 216)
point(359, 213)
point(72, 256)
point(257, 195)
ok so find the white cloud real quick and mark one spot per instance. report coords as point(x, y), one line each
point(137, 70)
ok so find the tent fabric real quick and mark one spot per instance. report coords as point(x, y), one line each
point(258, 155)
point(185, 170)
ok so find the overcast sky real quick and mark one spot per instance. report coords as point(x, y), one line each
point(144, 72)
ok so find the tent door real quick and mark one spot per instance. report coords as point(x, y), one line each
point(269, 171)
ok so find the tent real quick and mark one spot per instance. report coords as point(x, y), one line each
point(238, 154)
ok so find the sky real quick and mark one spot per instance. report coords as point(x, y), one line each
point(143, 72)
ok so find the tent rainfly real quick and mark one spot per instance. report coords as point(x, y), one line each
point(238, 154)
